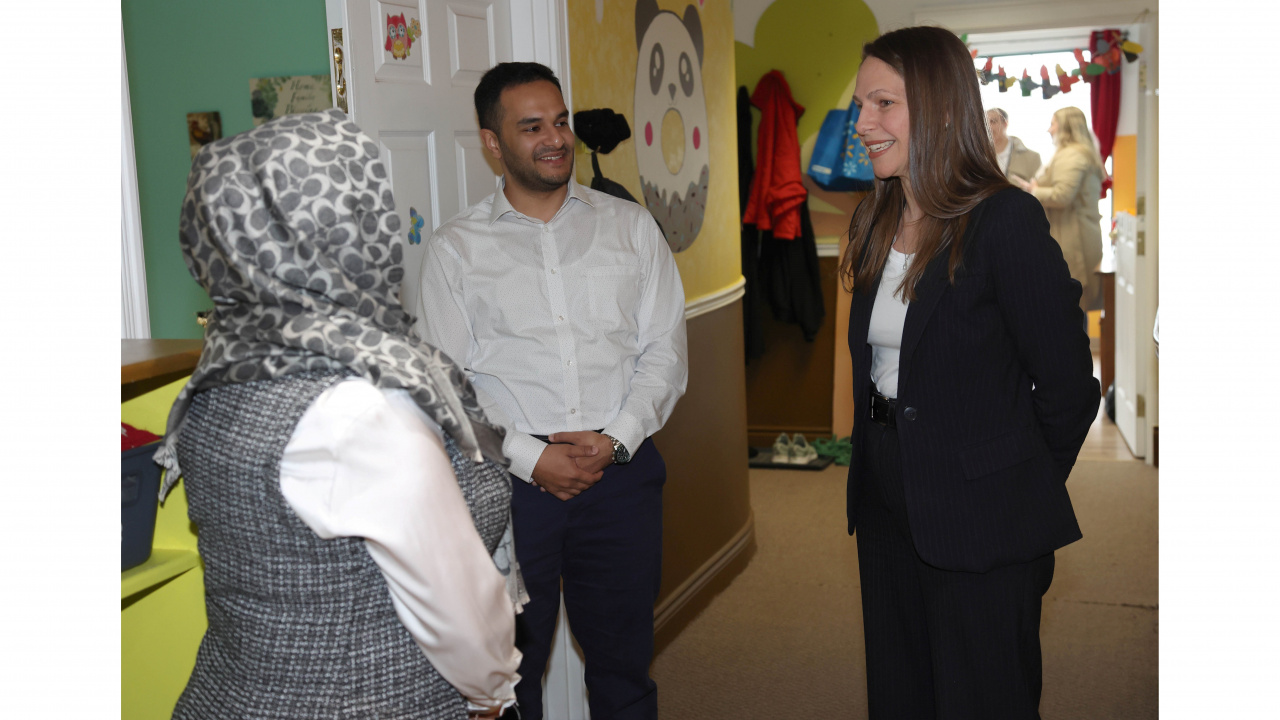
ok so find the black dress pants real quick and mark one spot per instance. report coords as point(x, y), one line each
point(940, 644)
point(606, 544)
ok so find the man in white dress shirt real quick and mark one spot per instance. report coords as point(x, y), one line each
point(565, 309)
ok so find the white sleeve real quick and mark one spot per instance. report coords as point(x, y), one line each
point(662, 371)
point(369, 463)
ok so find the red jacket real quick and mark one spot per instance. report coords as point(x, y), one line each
point(776, 188)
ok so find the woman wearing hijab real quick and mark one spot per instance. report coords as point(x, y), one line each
point(974, 392)
point(1069, 188)
point(351, 501)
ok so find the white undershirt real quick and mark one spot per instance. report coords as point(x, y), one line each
point(369, 463)
point(888, 315)
point(1003, 156)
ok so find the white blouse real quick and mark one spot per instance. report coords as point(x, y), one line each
point(369, 463)
point(888, 315)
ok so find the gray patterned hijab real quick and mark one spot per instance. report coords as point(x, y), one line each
point(291, 229)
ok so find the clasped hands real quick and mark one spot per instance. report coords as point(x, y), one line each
point(573, 462)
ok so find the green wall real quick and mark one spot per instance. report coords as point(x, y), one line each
point(187, 56)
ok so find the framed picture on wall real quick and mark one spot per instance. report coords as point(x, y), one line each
point(202, 129)
point(273, 97)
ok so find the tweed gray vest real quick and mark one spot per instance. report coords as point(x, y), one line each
point(299, 627)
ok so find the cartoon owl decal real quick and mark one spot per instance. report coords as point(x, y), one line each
point(670, 118)
point(399, 37)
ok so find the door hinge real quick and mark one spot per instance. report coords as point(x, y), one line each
point(1142, 406)
point(1142, 76)
point(1142, 205)
point(1142, 242)
point(339, 78)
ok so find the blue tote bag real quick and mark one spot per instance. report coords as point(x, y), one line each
point(839, 160)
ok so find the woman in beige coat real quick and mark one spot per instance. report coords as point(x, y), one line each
point(1069, 188)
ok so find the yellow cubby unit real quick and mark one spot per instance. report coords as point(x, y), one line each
point(162, 612)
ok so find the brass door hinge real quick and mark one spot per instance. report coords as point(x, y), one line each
point(1142, 242)
point(1142, 406)
point(1142, 205)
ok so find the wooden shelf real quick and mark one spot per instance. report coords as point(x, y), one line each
point(146, 359)
point(164, 563)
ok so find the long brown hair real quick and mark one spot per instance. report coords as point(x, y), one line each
point(1073, 129)
point(952, 162)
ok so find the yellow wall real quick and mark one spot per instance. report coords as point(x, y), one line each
point(603, 57)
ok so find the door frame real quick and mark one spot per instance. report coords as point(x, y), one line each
point(135, 316)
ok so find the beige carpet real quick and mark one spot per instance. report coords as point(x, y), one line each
point(785, 639)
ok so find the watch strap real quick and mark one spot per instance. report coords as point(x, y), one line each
point(621, 455)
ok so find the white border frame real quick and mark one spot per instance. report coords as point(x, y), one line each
point(135, 316)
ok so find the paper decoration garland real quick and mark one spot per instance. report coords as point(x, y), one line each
point(1105, 58)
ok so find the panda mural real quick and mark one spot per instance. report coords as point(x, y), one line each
point(670, 117)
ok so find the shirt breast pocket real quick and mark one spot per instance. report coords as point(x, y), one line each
point(613, 294)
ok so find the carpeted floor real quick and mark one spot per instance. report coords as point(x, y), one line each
point(785, 639)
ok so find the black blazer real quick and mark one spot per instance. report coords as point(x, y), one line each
point(995, 394)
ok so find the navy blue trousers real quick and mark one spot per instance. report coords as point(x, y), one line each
point(940, 644)
point(606, 545)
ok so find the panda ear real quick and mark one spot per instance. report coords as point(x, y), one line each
point(694, 25)
point(646, 11)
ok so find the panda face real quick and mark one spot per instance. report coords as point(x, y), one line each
point(670, 117)
point(658, 73)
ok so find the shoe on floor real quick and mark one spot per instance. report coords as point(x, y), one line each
point(802, 453)
point(782, 449)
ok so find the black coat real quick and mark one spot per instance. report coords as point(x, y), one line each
point(995, 394)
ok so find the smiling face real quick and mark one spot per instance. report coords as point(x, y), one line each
point(535, 144)
point(883, 122)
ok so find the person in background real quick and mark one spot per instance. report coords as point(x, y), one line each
point(974, 389)
point(1014, 158)
point(566, 309)
point(353, 513)
point(1069, 188)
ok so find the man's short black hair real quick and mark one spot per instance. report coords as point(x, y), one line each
point(499, 78)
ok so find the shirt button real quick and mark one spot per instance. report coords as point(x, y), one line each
point(573, 411)
point(909, 413)
point(560, 318)
point(553, 271)
point(570, 363)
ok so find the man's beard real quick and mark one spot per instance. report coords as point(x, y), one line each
point(527, 175)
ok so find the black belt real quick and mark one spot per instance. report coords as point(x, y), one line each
point(544, 439)
point(884, 410)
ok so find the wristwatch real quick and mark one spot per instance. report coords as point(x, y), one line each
point(620, 454)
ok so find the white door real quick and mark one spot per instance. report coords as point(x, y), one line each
point(414, 95)
point(1137, 246)
point(410, 68)
point(1130, 377)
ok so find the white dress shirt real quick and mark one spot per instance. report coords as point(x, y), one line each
point(888, 315)
point(369, 463)
point(573, 324)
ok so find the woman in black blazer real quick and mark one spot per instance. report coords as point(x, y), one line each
point(973, 388)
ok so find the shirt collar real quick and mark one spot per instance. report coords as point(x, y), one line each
point(502, 206)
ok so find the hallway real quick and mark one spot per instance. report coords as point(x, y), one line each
point(785, 639)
